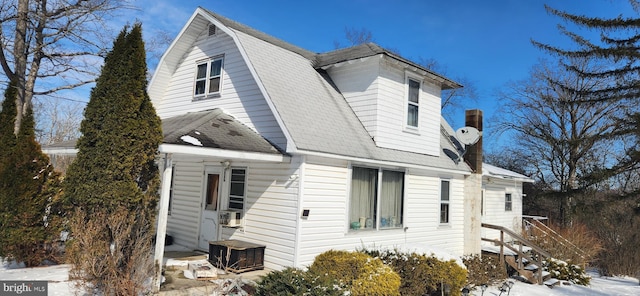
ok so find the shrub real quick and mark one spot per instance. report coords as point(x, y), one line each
point(357, 272)
point(29, 190)
point(485, 269)
point(110, 252)
point(293, 281)
point(564, 271)
point(581, 248)
point(421, 274)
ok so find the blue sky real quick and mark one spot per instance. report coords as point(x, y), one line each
point(487, 42)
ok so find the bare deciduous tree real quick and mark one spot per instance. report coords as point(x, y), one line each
point(453, 100)
point(562, 133)
point(354, 37)
point(53, 42)
point(58, 121)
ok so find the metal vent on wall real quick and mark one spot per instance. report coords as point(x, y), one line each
point(212, 30)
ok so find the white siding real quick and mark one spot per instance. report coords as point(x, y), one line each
point(271, 212)
point(376, 91)
point(358, 83)
point(326, 194)
point(494, 206)
point(184, 220)
point(240, 95)
point(392, 106)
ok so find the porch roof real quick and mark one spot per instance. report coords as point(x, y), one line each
point(205, 133)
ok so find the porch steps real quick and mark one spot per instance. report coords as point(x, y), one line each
point(521, 255)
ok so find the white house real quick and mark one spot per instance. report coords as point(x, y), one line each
point(312, 151)
point(501, 199)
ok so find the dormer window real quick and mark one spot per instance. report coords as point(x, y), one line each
point(413, 98)
point(208, 78)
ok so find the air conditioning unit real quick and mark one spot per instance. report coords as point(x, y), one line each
point(230, 219)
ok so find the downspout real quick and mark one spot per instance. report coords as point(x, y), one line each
point(163, 212)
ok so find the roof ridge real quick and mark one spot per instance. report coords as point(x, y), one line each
point(261, 35)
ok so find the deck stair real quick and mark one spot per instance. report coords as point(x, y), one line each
point(521, 254)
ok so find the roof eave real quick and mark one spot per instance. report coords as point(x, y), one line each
point(222, 153)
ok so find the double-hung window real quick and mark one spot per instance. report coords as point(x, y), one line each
point(507, 202)
point(208, 77)
point(444, 201)
point(237, 190)
point(376, 198)
point(413, 98)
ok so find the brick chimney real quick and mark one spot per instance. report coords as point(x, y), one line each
point(473, 156)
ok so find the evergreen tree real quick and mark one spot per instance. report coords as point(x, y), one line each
point(617, 207)
point(617, 48)
point(114, 177)
point(29, 190)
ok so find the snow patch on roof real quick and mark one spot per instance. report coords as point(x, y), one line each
point(191, 140)
point(494, 171)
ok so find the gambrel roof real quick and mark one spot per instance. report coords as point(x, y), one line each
point(313, 114)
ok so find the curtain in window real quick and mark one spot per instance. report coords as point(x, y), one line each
point(363, 194)
point(391, 199)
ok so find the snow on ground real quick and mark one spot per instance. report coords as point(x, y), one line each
point(56, 275)
point(59, 284)
point(600, 286)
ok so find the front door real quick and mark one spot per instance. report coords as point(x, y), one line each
point(209, 225)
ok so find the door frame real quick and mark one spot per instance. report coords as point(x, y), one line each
point(215, 214)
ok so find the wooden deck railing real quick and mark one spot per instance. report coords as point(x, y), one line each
point(519, 241)
point(550, 233)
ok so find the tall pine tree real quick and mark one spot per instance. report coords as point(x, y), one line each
point(29, 190)
point(617, 48)
point(114, 180)
point(619, 206)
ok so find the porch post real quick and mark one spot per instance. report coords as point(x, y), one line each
point(163, 211)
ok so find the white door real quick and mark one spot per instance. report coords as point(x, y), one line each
point(209, 226)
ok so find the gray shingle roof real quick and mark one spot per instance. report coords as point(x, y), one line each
point(214, 129)
point(331, 57)
point(207, 129)
point(313, 114)
point(371, 49)
point(316, 115)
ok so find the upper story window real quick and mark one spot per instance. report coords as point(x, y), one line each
point(413, 98)
point(208, 77)
point(376, 199)
point(444, 201)
point(508, 202)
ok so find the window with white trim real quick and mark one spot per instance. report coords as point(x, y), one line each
point(444, 201)
point(508, 202)
point(237, 189)
point(208, 77)
point(413, 98)
point(376, 199)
